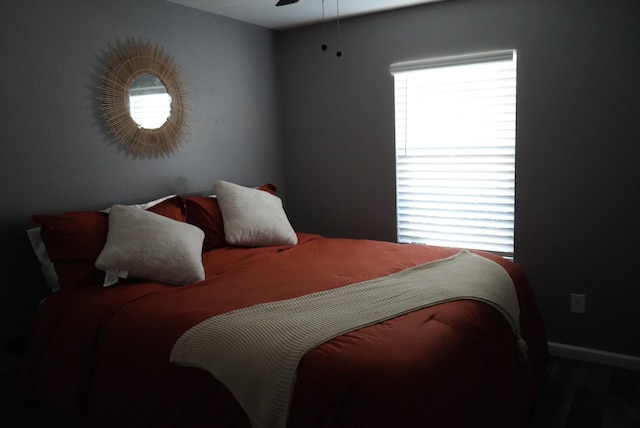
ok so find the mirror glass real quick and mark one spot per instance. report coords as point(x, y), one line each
point(149, 101)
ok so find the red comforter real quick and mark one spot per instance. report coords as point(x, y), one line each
point(101, 355)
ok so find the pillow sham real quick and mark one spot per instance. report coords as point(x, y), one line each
point(252, 217)
point(150, 246)
point(71, 242)
point(40, 250)
point(204, 213)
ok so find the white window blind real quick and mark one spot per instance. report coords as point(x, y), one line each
point(455, 151)
point(150, 111)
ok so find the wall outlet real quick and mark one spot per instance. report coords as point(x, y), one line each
point(578, 303)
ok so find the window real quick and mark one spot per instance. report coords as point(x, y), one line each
point(149, 101)
point(455, 151)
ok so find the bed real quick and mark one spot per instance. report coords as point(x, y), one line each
point(103, 348)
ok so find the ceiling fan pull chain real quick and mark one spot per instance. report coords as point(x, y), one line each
point(339, 52)
point(324, 43)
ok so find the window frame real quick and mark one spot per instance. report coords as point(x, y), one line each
point(408, 67)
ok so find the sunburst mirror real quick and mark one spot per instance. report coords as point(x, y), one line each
point(143, 99)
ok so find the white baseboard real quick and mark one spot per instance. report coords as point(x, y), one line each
point(597, 356)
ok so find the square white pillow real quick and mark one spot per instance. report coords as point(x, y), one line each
point(146, 245)
point(253, 217)
point(47, 266)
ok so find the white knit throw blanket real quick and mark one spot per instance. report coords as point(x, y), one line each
point(255, 351)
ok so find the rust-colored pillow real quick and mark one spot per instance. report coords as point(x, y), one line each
point(204, 212)
point(173, 208)
point(75, 239)
point(269, 188)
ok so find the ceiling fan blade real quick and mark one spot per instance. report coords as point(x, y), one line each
point(286, 2)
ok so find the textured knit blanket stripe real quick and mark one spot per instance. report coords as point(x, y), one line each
point(255, 351)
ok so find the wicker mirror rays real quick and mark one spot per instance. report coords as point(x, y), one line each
point(125, 62)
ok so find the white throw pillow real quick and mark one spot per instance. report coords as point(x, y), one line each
point(146, 245)
point(47, 266)
point(252, 217)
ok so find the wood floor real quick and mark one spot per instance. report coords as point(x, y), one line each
point(578, 394)
point(575, 394)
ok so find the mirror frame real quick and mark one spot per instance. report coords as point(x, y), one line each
point(125, 62)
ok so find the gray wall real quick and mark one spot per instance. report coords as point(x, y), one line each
point(578, 141)
point(577, 144)
point(54, 153)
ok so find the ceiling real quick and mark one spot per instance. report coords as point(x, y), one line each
point(265, 13)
